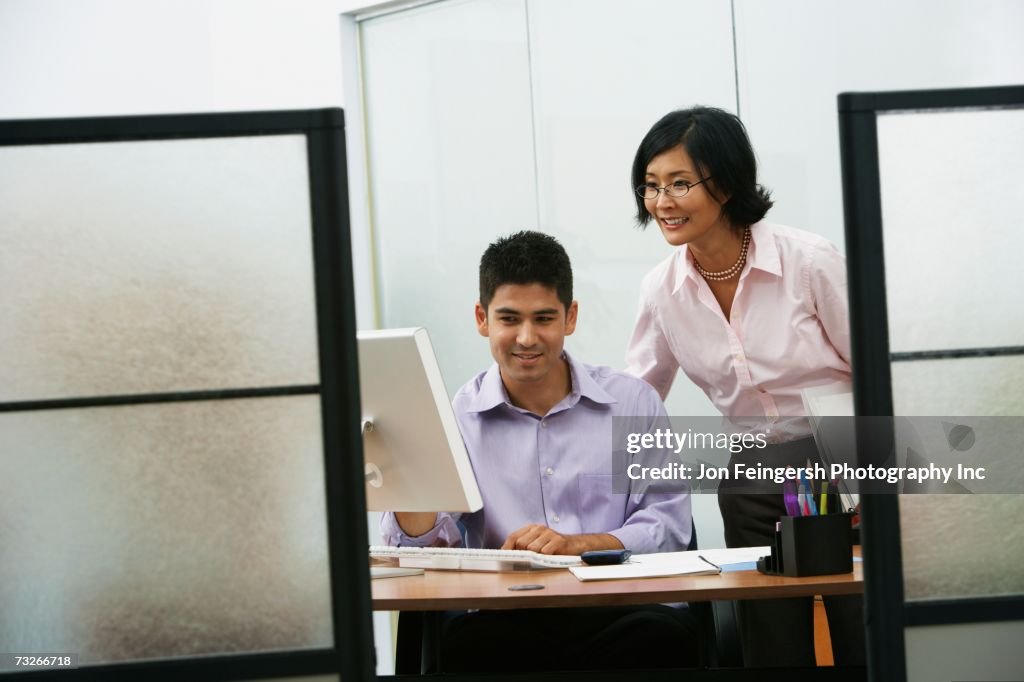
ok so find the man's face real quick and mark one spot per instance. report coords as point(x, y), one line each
point(527, 325)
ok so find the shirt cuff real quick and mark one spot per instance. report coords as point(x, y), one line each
point(636, 538)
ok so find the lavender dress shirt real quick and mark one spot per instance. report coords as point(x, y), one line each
point(555, 470)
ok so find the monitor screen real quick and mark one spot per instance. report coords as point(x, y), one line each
point(415, 457)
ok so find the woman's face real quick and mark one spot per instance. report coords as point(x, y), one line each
point(689, 219)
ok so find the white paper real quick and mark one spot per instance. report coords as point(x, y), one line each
point(739, 555)
point(648, 566)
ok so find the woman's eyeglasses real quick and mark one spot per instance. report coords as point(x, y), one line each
point(679, 188)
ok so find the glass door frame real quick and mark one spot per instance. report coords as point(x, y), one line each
point(887, 613)
point(351, 655)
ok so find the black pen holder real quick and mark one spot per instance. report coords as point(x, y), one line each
point(810, 545)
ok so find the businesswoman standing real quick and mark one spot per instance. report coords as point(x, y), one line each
point(752, 312)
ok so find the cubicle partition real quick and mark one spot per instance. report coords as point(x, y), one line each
point(931, 190)
point(181, 488)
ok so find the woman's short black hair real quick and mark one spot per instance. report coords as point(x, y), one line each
point(526, 258)
point(717, 143)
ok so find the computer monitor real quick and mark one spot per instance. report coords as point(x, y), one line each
point(414, 454)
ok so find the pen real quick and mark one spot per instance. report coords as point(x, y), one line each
point(801, 497)
point(809, 494)
point(823, 508)
point(810, 508)
point(709, 562)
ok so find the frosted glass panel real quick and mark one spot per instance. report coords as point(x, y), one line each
point(960, 386)
point(164, 530)
point(948, 180)
point(133, 267)
point(450, 146)
point(962, 545)
point(599, 84)
point(950, 183)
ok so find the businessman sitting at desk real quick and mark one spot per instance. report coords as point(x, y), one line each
point(538, 428)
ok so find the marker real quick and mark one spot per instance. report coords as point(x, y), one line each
point(790, 498)
point(811, 508)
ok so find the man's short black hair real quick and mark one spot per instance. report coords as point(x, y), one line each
point(526, 258)
point(717, 143)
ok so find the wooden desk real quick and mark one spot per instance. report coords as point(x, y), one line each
point(446, 590)
point(423, 598)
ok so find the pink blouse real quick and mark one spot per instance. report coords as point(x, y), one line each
point(788, 329)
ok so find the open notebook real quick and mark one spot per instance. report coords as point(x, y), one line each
point(696, 562)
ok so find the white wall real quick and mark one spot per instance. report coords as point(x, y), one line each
point(97, 57)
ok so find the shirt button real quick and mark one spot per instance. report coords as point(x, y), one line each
point(543, 424)
point(549, 471)
point(555, 518)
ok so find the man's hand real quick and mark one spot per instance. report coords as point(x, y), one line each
point(543, 540)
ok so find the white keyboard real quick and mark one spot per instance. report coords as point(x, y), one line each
point(463, 559)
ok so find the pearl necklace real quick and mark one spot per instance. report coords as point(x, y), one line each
point(736, 267)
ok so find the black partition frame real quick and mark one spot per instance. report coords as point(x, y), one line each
point(352, 653)
point(886, 612)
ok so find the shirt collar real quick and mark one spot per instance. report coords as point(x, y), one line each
point(492, 391)
point(685, 269)
point(762, 254)
point(583, 385)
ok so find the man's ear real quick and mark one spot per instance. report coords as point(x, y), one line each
point(570, 317)
point(481, 319)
